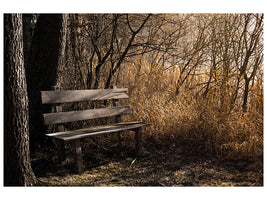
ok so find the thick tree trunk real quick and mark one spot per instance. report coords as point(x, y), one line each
point(29, 21)
point(42, 70)
point(17, 167)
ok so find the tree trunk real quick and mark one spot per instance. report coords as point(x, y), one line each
point(78, 50)
point(29, 21)
point(17, 167)
point(62, 49)
point(42, 71)
point(245, 97)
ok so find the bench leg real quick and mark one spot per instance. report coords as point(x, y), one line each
point(119, 138)
point(138, 141)
point(78, 156)
point(61, 151)
point(116, 138)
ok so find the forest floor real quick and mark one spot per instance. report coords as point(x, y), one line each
point(180, 163)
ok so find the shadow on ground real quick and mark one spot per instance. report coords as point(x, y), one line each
point(175, 164)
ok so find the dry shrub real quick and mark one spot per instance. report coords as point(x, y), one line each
point(234, 135)
point(227, 133)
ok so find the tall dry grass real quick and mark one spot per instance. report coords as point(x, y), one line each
point(227, 134)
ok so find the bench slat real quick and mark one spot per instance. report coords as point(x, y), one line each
point(87, 132)
point(63, 117)
point(66, 96)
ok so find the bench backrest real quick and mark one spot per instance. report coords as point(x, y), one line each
point(66, 96)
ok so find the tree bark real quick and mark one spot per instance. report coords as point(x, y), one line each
point(42, 71)
point(245, 96)
point(17, 167)
point(62, 49)
point(78, 50)
point(29, 21)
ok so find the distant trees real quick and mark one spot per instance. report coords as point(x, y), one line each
point(220, 47)
point(226, 50)
point(106, 39)
point(236, 55)
point(249, 54)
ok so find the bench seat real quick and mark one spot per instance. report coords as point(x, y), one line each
point(92, 131)
point(108, 106)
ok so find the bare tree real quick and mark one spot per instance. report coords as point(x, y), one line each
point(250, 57)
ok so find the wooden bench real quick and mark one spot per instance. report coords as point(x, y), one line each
point(56, 97)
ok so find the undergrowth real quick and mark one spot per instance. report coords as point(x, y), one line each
point(226, 133)
point(223, 129)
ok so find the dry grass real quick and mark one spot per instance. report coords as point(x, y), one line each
point(192, 140)
point(228, 135)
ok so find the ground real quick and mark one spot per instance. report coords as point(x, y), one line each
point(175, 163)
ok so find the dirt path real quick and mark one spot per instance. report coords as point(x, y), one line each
point(158, 166)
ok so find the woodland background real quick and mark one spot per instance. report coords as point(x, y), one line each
point(196, 78)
